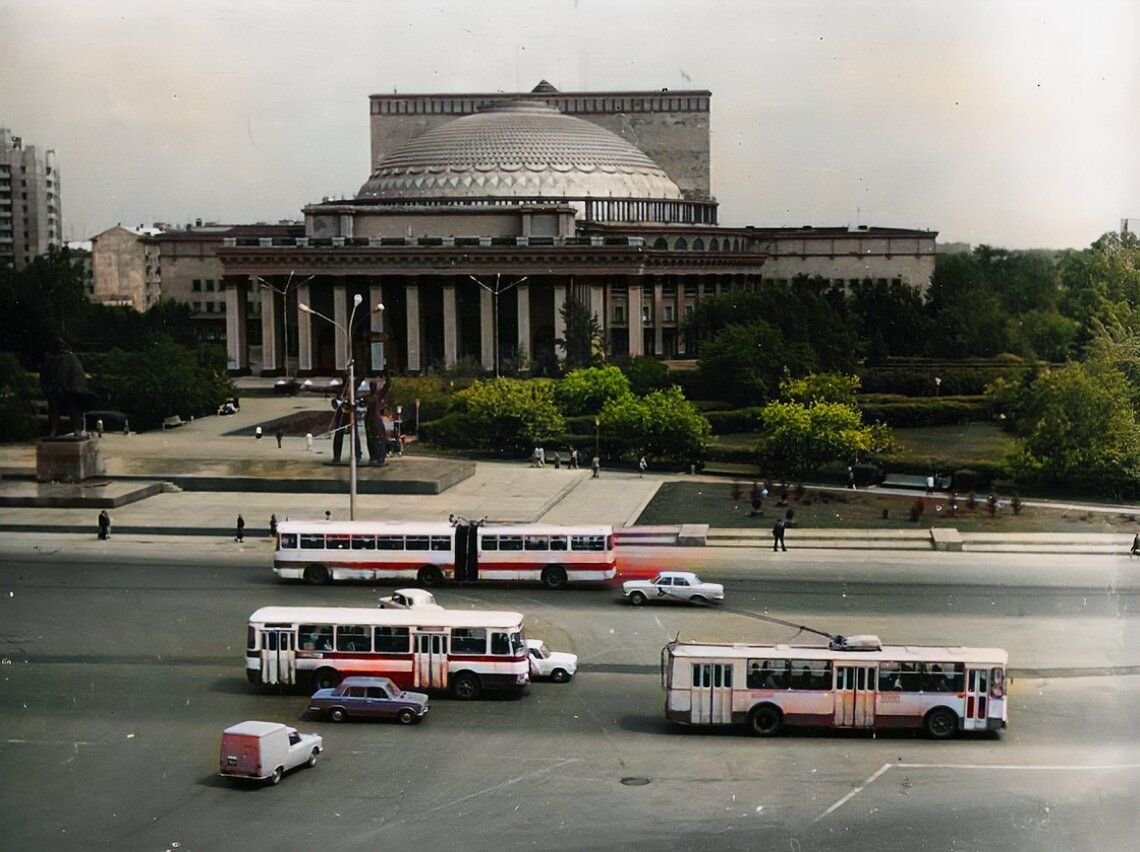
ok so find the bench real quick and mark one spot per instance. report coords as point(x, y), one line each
point(172, 422)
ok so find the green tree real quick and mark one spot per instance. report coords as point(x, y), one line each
point(41, 307)
point(17, 390)
point(743, 363)
point(583, 342)
point(511, 414)
point(821, 387)
point(585, 391)
point(661, 425)
point(645, 373)
point(796, 439)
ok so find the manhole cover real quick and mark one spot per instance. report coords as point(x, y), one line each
point(634, 781)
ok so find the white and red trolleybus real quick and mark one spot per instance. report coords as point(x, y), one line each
point(854, 683)
point(464, 551)
point(465, 652)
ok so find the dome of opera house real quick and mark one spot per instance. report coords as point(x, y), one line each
point(526, 150)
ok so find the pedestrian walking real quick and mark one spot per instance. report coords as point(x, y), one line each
point(641, 466)
point(778, 536)
point(328, 515)
point(851, 477)
point(240, 528)
point(1135, 544)
point(257, 433)
point(930, 484)
point(596, 466)
point(573, 459)
point(105, 526)
point(279, 435)
point(273, 526)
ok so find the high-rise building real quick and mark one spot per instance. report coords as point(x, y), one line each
point(30, 217)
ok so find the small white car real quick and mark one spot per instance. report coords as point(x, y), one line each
point(265, 751)
point(684, 586)
point(409, 599)
point(557, 666)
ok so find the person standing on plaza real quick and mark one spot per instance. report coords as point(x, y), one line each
point(279, 435)
point(778, 536)
point(641, 466)
point(596, 467)
point(240, 528)
point(273, 526)
point(573, 459)
point(104, 525)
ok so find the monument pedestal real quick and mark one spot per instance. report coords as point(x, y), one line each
point(70, 459)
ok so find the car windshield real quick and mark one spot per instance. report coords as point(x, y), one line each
point(542, 652)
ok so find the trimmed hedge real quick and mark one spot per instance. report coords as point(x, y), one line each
point(957, 380)
point(738, 420)
point(925, 411)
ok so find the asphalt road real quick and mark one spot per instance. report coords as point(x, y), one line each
point(120, 667)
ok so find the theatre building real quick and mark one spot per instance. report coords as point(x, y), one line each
point(484, 214)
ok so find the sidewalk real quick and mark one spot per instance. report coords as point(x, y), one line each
point(508, 491)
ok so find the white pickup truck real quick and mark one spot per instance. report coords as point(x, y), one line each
point(265, 751)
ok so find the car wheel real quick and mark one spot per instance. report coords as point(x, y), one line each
point(313, 758)
point(337, 714)
point(277, 775)
point(554, 577)
point(560, 676)
point(637, 598)
point(406, 716)
point(940, 723)
point(765, 720)
point(317, 575)
point(326, 678)
point(465, 686)
point(699, 600)
point(429, 575)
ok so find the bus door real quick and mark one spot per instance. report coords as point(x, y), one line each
point(466, 553)
point(977, 691)
point(855, 696)
point(429, 668)
point(278, 655)
point(712, 694)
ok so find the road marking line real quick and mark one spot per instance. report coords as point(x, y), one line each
point(47, 742)
point(854, 792)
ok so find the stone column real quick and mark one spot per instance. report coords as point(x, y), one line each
point(559, 321)
point(598, 309)
point(636, 328)
point(412, 301)
point(658, 314)
point(524, 322)
point(487, 330)
point(450, 326)
point(304, 333)
point(236, 349)
point(378, 348)
point(340, 317)
point(268, 330)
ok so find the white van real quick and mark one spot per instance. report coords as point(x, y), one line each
point(265, 751)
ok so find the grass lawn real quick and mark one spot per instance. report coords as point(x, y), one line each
point(965, 443)
point(712, 503)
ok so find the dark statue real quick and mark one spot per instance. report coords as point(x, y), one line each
point(64, 386)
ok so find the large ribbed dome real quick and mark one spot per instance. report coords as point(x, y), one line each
point(518, 150)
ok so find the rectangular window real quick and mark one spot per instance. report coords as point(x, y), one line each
point(537, 542)
point(209, 285)
point(810, 674)
point(441, 542)
point(196, 285)
point(619, 313)
point(392, 640)
point(390, 542)
point(337, 542)
point(710, 288)
point(364, 542)
point(490, 542)
point(559, 542)
point(670, 313)
point(355, 638)
point(767, 674)
point(312, 541)
point(645, 313)
point(417, 542)
point(500, 644)
point(468, 640)
point(510, 542)
point(288, 541)
point(316, 637)
point(588, 542)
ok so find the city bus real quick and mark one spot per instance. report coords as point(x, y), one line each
point(852, 683)
point(463, 652)
point(431, 552)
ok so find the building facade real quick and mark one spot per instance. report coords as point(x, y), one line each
point(31, 218)
point(124, 269)
point(484, 214)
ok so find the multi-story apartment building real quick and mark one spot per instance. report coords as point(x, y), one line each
point(30, 217)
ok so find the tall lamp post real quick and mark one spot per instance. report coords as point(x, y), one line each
point(495, 292)
point(283, 292)
point(357, 299)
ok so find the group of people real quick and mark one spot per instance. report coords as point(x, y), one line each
point(538, 459)
point(372, 408)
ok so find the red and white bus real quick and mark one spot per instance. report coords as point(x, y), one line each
point(464, 551)
point(858, 683)
point(465, 652)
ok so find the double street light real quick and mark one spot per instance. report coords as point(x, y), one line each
point(357, 299)
point(495, 292)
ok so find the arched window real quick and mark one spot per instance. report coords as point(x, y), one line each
point(714, 244)
point(661, 243)
point(681, 244)
point(698, 244)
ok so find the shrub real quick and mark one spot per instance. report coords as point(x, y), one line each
point(901, 412)
point(587, 390)
point(729, 422)
point(512, 415)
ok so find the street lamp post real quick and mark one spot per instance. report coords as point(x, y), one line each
point(356, 301)
point(597, 435)
point(495, 292)
point(283, 292)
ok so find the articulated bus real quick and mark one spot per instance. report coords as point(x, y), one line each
point(858, 683)
point(465, 652)
point(464, 551)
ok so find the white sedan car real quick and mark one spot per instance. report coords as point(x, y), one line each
point(409, 599)
point(684, 586)
point(557, 666)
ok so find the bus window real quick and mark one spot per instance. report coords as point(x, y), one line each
point(312, 541)
point(518, 644)
point(500, 644)
point(537, 542)
point(288, 541)
point(392, 640)
point(417, 542)
point(316, 637)
point(364, 542)
point(490, 542)
point(767, 674)
point(468, 640)
point(588, 542)
point(353, 637)
point(251, 639)
point(510, 542)
point(559, 542)
point(441, 542)
point(810, 674)
point(390, 542)
point(337, 542)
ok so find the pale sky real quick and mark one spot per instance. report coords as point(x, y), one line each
point(1011, 123)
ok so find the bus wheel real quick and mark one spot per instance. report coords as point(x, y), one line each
point(318, 575)
point(940, 723)
point(554, 577)
point(765, 720)
point(325, 678)
point(429, 575)
point(465, 686)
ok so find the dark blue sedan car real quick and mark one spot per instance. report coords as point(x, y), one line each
point(370, 698)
